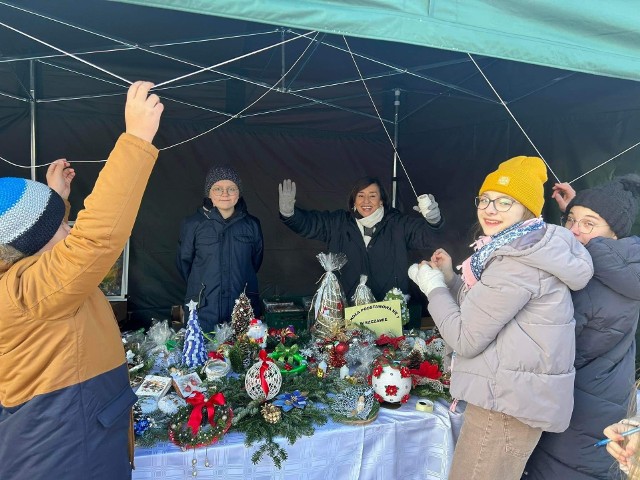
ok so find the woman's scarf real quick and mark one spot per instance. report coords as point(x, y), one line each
point(366, 225)
point(473, 266)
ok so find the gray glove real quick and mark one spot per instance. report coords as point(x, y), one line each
point(287, 197)
point(429, 209)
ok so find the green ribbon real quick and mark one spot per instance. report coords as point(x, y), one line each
point(286, 353)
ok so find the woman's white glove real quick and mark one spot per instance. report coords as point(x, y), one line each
point(426, 278)
point(429, 209)
point(287, 197)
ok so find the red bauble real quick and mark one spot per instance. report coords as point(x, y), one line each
point(341, 348)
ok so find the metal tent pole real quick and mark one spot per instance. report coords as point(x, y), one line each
point(394, 183)
point(32, 114)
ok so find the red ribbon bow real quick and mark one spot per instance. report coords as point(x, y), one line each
point(386, 340)
point(427, 369)
point(215, 356)
point(263, 368)
point(197, 399)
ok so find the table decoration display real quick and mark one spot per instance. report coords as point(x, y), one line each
point(284, 391)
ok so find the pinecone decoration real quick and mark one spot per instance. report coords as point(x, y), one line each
point(271, 413)
point(241, 315)
point(413, 360)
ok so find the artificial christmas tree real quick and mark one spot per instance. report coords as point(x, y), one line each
point(241, 316)
point(194, 353)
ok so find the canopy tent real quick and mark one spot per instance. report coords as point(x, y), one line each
point(316, 123)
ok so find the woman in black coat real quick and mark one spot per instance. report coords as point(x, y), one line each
point(374, 236)
point(220, 250)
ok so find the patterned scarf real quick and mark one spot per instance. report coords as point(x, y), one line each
point(473, 266)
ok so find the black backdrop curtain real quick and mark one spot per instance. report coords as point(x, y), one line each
point(450, 163)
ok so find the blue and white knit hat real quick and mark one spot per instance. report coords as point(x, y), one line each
point(30, 214)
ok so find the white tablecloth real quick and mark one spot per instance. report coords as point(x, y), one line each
point(402, 444)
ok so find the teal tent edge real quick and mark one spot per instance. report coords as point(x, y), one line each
point(588, 37)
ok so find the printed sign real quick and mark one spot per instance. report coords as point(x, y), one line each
point(380, 317)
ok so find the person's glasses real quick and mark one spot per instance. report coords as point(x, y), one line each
point(501, 204)
point(585, 225)
point(231, 191)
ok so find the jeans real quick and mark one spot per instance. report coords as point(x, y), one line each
point(492, 445)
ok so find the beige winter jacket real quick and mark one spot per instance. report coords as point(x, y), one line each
point(513, 331)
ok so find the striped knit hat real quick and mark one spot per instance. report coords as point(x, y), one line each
point(30, 214)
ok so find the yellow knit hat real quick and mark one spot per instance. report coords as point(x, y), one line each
point(522, 178)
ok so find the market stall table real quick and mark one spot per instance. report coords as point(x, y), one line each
point(400, 444)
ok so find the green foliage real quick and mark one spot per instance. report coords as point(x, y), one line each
point(242, 354)
point(425, 391)
point(293, 424)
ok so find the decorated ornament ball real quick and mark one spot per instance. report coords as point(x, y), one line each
point(391, 384)
point(263, 374)
point(341, 348)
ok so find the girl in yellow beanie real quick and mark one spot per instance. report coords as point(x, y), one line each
point(509, 320)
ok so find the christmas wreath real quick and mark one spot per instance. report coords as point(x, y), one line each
point(202, 422)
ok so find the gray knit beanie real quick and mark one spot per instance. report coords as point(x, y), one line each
point(616, 202)
point(221, 172)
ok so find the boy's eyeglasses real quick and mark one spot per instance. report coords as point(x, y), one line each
point(231, 191)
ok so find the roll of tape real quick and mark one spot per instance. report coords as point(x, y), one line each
point(424, 405)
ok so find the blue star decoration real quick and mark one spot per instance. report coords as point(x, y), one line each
point(287, 401)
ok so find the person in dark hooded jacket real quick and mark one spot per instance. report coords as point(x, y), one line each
point(606, 313)
point(374, 236)
point(220, 250)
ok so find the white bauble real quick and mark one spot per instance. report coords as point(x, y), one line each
point(384, 384)
point(272, 376)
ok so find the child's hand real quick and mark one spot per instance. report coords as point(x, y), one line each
point(621, 448)
point(563, 193)
point(59, 177)
point(143, 111)
point(442, 261)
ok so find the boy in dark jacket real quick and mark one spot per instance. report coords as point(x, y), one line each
point(220, 250)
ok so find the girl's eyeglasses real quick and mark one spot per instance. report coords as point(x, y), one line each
point(501, 204)
point(585, 225)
